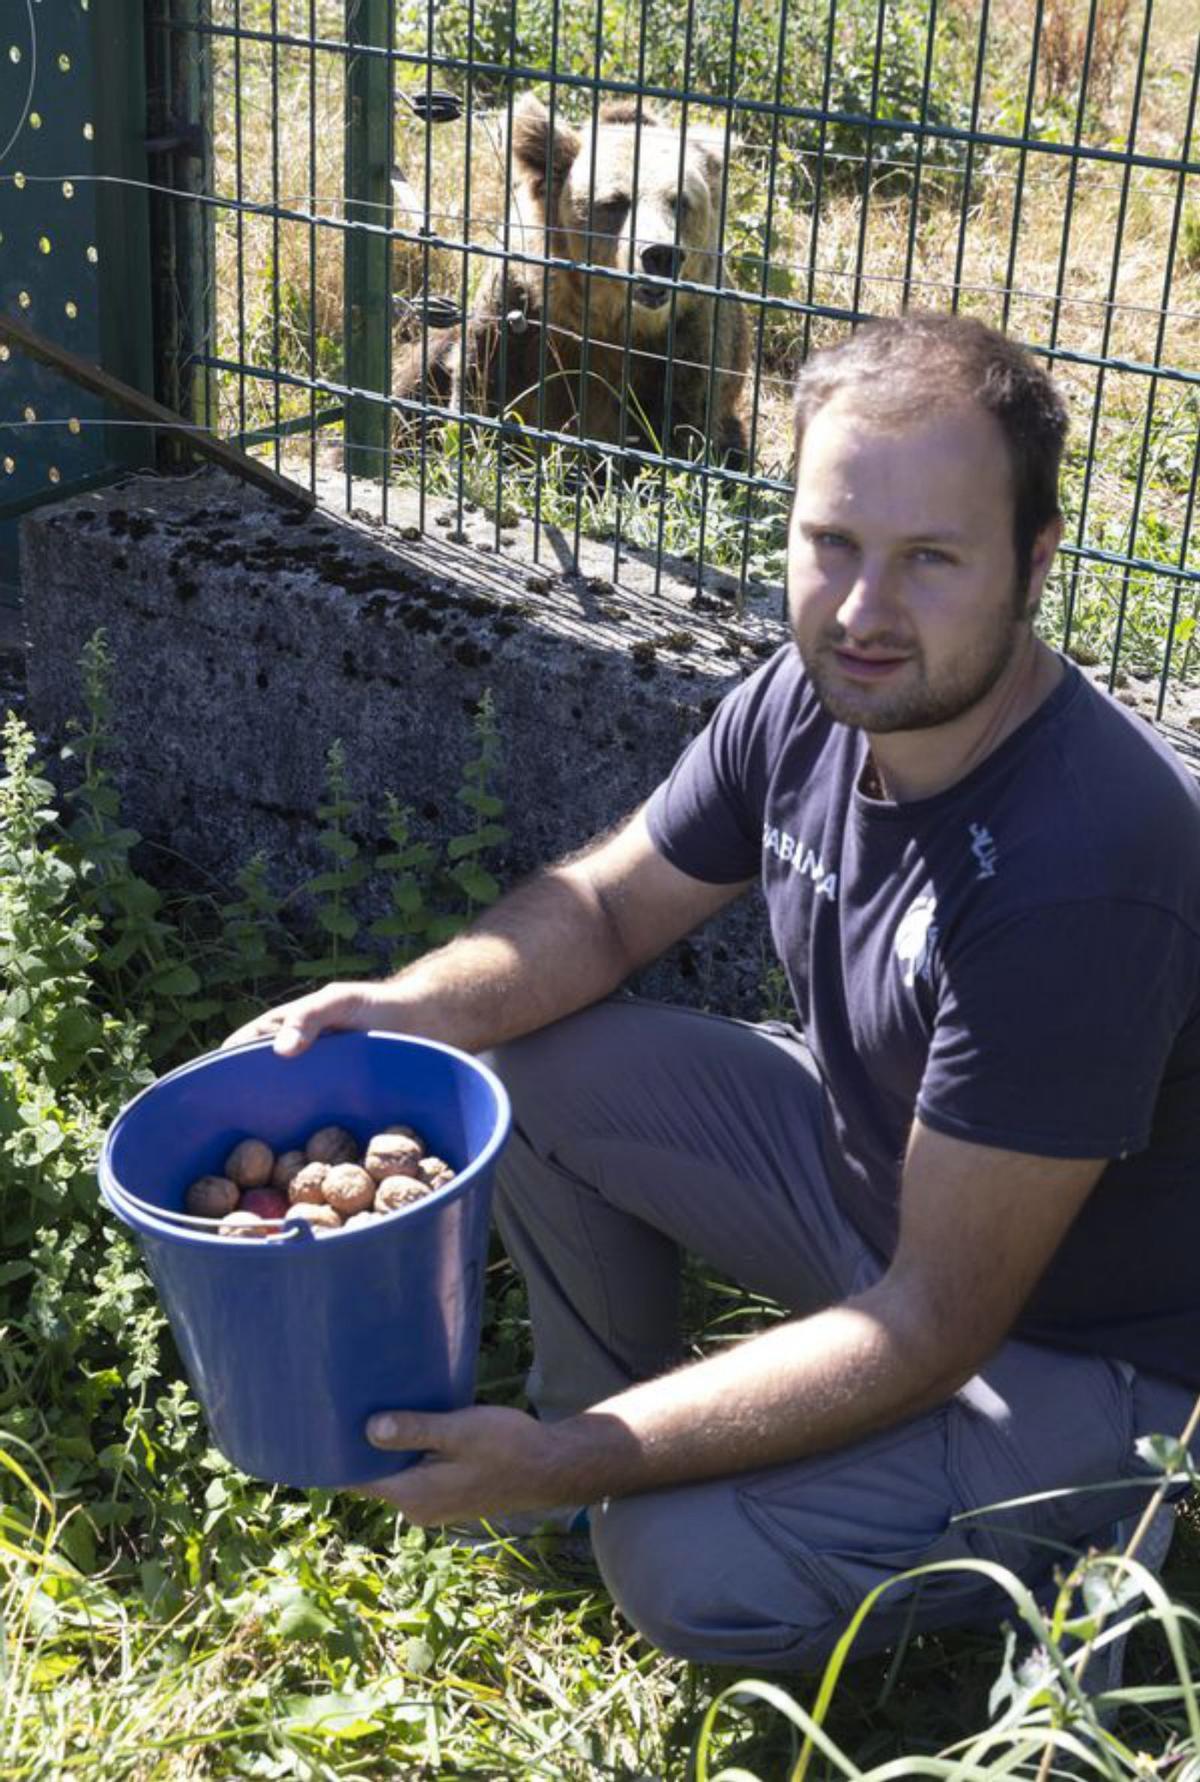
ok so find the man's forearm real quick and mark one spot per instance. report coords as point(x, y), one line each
point(801, 1388)
point(806, 1386)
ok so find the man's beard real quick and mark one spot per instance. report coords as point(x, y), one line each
point(919, 703)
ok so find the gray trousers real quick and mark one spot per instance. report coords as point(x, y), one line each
point(641, 1130)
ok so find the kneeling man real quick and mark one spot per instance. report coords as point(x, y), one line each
point(970, 1174)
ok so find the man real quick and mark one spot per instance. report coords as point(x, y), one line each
point(973, 1184)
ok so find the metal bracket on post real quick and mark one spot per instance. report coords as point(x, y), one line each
point(368, 261)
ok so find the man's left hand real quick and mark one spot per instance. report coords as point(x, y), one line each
point(479, 1462)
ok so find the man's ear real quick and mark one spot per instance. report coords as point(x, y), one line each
point(1041, 560)
point(537, 149)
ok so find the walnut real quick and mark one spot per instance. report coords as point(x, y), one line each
point(268, 1203)
point(436, 1171)
point(287, 1165)
point(395, 1192)
point(250, 1163)
point(308, 1184)
point(332, 1144)
point(211, 1197)
point(366, 1217)
point(244, 1225)
point(348, 1189)
point(323, 1219)
point(392, 1154)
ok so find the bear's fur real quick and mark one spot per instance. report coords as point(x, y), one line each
point(495, 365)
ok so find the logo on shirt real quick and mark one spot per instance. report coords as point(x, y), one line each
point(914, 940)
point(800, 858)
point(983, 847)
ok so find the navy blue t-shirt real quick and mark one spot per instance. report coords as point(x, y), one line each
point(1016, 959)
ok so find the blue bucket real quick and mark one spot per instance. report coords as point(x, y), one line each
point(291, 1341)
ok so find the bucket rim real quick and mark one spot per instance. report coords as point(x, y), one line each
point(142, 1215)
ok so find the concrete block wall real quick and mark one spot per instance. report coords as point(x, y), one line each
point(248, 635)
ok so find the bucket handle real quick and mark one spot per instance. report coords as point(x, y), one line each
point(284, 1228)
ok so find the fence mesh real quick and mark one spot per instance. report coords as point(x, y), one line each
point(383, 296)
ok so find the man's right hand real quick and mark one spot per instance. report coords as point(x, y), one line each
point(293, 1026)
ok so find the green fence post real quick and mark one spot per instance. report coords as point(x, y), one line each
point(368, 263)
point(179, 106)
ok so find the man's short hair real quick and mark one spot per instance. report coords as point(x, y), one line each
point(921, 361)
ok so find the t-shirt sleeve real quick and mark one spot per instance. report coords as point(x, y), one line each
point(1052, 1031)
point(706, 816)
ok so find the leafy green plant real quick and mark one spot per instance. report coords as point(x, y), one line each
point(478, 793)
point(249, 955)
point(78, 1314)
point(878, 63)
point(332, 890)
point(141, 959)
point(48, 944)
point(433, 889)
point(409, 866)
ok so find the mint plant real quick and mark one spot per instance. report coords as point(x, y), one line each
point(141, 958)
point(332, 890)
point(478, 793)
point(411, 925)
point(251, 946)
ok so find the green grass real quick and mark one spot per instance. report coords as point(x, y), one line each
point(261, 1633)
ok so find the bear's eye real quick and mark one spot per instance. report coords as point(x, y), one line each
point(608, 214)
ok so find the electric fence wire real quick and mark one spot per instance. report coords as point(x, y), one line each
point(28, 105)
point(297, 212)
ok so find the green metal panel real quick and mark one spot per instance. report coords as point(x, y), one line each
point(368, 289)
point(74, 246)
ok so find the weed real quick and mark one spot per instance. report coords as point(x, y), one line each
point(250, 950)
point(434, 893)
point(332, 890)
point(141, 961)
point(1078, 42)
point(1189, 241)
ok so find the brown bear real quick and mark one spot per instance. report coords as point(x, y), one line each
point(546, 344)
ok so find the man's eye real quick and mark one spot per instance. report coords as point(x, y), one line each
point(932, 555)
point(830, 541)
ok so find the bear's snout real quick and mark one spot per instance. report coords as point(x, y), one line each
point(658, 259)
point(662, 260)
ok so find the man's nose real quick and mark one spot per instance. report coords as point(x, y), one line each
point(869, 602)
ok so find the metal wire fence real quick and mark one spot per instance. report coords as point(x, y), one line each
point(361, 282)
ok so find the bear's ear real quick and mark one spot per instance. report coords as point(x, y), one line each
point(715, 154)
point(537, 148)
point(629, 111)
